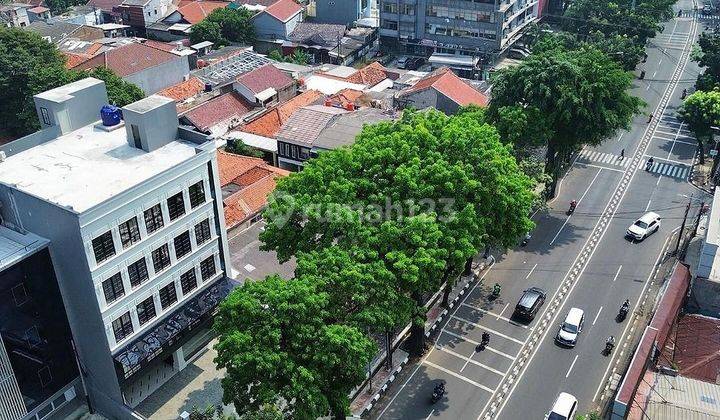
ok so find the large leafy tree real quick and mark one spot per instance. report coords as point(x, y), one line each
point(120, 92)
point(578, 96)
point(708, 56)
point(421, 196)
point(224, 26)
point(280, 348)
point(701, 111)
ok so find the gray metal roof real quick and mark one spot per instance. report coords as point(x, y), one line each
point(678, 397)
point(226, 71)
point(343, 129)
point(321, 34)
point(55, 30)
point(304, 126)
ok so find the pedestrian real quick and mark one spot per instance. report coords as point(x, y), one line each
point(622, 154)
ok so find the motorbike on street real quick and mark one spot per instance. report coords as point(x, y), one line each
point(649, 164)
point(483, 342)
point(573, 205)
point(609, 345)
point(624, 309)
point(495, 292)
point(438, 392)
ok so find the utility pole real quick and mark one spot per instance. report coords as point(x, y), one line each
point(697, 220)
point(682, 227)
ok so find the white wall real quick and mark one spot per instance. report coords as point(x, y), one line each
point(157, 78)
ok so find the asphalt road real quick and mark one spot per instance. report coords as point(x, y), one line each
point(582, 260)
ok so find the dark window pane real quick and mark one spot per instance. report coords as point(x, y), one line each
point(182, 244)
point(146, 310)
point(153, 219)
point(197, 194)
point(161, 258)
point(168, 295)
point(188, 282)
point(113, 288)
point(137, 272)
point(122, 327)
point(103, 247)
point(207, 268)
point(176, 206)
point(202, 232)
point(129, 232)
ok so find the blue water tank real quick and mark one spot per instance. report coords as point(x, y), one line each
point(110, 115)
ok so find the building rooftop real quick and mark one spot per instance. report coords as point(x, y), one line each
point(229, 68)
point(449, 84)
point(15, 246)
point(217, 110)
point(262, 78)
point(196, 11)
point(325, 35)
point(283, 10)
point(678, 397)
point(342, 130)
point(88, 166)
point(184, 90)
point(305, 125)
point(268, 124)
point(129, 59)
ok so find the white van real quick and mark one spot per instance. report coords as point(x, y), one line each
point(569, 330)
point(564, 408)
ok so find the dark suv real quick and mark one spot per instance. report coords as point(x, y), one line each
point(530, 303)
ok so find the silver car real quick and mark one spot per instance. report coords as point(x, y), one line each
point(645, 226)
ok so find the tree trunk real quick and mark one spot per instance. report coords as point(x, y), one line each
point(701, 150)
point(417, 328)
point(468, 264)
point(449, 280)
point(551, 169)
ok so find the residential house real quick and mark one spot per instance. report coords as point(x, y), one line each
point(108, 9)
point(184, 90)
point(150, 68)
point(38, 13)
point(81, 14)
point(265, 85)
point(57, 31)
point(330, 43)
point(297, 135)
point(443, 90)
point(342, 130)
point(176, 25)
point(278, 20)
point(218, 115)
point(137, 237)
point(269, 123)
point(246, 183)
point(142, 13)
point(14, 15)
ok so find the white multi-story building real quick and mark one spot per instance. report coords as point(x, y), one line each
point(134, 216)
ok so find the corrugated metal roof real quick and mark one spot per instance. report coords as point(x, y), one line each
point(678, 397)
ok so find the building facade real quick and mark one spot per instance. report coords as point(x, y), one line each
point(458, 27)
point(134, 215)
point(342, 12)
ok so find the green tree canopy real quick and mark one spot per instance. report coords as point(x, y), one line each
point(279, 346)
point(421, 196)
point(120, 92)
point(708, 55)
point(577, 96)
point(700, 111)
point(224, 26)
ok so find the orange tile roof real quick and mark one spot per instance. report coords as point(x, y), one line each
point(217, 110)
point(370, 75)
point(269, 123)
point(196, 11)
point(256, 180)
point(183, 90)
point(283, 10)
point(446, 82)
point(74, 59)
point(346, 96)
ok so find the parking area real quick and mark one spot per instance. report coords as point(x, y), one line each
point(471, 376)
point(249, 262)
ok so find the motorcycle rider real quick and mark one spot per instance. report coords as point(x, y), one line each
point(573, 204)
point(485, 337)
point(609, 343)
point(649, 163)
point(496, 289)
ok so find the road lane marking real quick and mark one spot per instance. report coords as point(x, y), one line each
point(471, 341)
point(494, 314)
point(470, 360)
point(571, 365)
point(501, 312)
point(642, 293)
point(499, 334)
point(648, 204)
point(459, 376)
point(578, 203)
point(431, 411)
point(677, 162)
point(617, 274)
point(620, 136)
point(600, 167)
point(531, 271)
point(597, 316)
point(658, 181)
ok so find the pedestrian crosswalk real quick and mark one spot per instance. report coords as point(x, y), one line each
point(671, 40)
point(659, 166)
point(699, 14)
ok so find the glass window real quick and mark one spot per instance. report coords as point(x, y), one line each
point(176, 206)
point(188, 282)
point(153, 218)
point(113, 288)
point(168, 296)
point(129, 232)
point(197, 194)
point(207, 268)
point(161, 258)
point(202, 232)
point(122, 327)
point(182, 245)
point(137, 272)
point(146, 310)
point(103, 247)
point(45, 115)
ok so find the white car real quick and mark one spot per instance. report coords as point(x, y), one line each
point(564, 408)
point(570, 329)
point(645, 226)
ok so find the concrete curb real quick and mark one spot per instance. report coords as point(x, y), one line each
point(691, 176)
point(384, 388)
